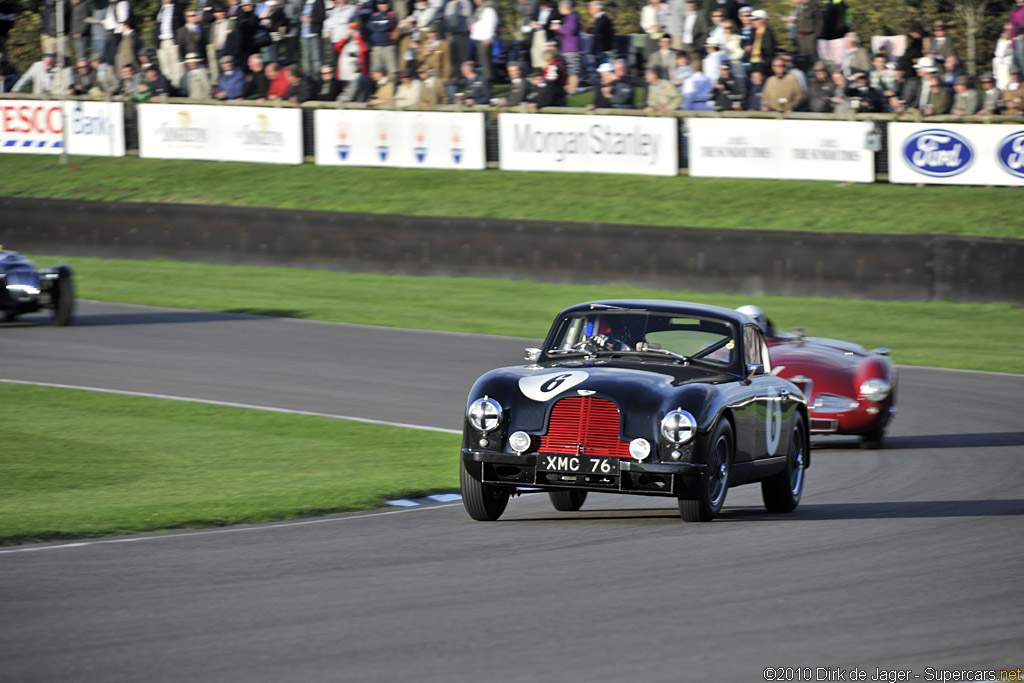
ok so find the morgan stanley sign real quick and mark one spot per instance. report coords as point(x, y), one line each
point(595, 144)
point(956, 154)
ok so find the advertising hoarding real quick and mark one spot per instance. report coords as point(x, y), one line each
point(35, 127)
point(956, 154)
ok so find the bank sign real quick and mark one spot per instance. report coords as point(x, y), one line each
point(595, 144)
point(774, 148)
point(956, 154)
point(36, 127)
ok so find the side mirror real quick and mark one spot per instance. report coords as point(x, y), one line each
point(881, 351)
point(532, 354)
point(753, 369)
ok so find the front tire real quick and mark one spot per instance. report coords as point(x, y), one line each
point(872, 441)
point(782, 492)
point(483, 502)
point(63, 300)
point(714, 481)
point(567, 501)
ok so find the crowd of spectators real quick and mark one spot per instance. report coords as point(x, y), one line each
point(697, 56)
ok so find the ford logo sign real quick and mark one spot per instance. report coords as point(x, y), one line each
point(1011, 154)
point(938, 153)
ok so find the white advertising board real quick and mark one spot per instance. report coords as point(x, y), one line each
point(406, 139)
point(775, 148)
point(956, 154)
point(220, 133)
point(35, 127)
point(594, 144)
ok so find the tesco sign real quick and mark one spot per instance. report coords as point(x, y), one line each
point(35, 127)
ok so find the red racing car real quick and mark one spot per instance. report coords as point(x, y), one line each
point(849, 390)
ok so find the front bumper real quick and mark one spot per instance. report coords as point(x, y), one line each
point(863, 419)
point(640, 478)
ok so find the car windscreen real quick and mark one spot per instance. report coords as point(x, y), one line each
point(690, 336)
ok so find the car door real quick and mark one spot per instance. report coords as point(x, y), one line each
point(772, 395)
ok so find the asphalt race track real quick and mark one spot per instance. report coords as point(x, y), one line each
point(908, 558)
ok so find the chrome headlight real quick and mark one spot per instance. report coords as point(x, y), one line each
point(484, 414)
point(875, 389)
point(678, 426)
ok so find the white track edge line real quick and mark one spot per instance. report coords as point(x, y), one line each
point(231, 404)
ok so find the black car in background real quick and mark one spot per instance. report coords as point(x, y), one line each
point(27, 289)
point(647, 397)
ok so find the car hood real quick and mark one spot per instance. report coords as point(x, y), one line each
point(642, 390)
point(824, 355)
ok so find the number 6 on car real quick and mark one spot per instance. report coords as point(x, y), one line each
point(657, 398)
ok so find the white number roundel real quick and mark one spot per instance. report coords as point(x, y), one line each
point(550, 384)
point(773, 425)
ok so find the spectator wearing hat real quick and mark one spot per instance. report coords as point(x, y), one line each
point(763, 46)
point(729, 92)
point(169, 17)
point(863, 98)
point(695, 29)
point(662, 98)
point(782, 91)
point(433, 91)
point(311, 27)
point(195, 82)
point(941, 43)
point(988, 98)
point(1013, 95)
point(353, 56)
point(409, 92)
point(603, 91)
point(965, 98)
point(231, 84)
point(820, 90)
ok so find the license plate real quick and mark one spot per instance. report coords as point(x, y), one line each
point(577, 464)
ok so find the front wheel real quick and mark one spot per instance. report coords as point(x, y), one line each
point(781, 492)
point(63, 300)
point(872, 441)
point(567, 501)
point(483, 502)
point(714, 481)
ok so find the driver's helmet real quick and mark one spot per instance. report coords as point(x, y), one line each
point(757, 314)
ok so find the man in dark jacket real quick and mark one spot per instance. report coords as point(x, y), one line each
point(603, 32)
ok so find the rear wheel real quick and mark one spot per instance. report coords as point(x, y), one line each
point(10, 316)
point(714, 481)
point(781, 492)
point(483, 502)
point(63, 300)
point(567, 501)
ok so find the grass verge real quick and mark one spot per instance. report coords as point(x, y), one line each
point(680, 201)
point(967, 336)
point(81, 465)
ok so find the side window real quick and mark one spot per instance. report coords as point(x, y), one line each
point(752, 343)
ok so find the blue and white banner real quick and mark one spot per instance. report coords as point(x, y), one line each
point(400, 139)
point(268, 135)
point(36, 127)
point(776, 148)
point(594, 144)
point(956, 154)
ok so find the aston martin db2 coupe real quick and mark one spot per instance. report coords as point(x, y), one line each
point(645, 397)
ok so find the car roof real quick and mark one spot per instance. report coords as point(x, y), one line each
point(663, 306)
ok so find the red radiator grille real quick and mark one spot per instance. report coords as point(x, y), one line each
point(593, 422)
